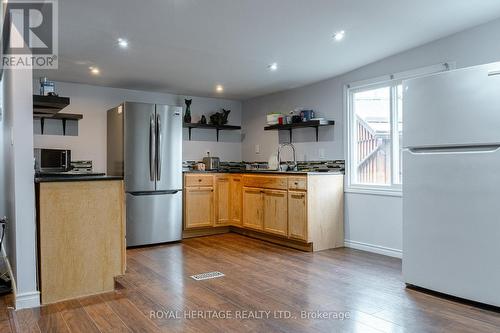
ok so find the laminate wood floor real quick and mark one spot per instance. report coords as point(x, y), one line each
point(356, 292)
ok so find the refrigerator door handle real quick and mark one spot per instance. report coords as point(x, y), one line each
point(152, 148)
point(142, 193)
point(158, 147)
point(455, 150)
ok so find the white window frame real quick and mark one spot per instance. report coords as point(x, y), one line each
point(389, 80)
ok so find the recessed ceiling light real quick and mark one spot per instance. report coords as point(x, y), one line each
point(219, 88)
point(123, 43)
point(273, 67)
point(94, 70)
point(339, 35)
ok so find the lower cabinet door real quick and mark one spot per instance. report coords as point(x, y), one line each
point(199, 207)
point(222, 192)
point(275, 212)
point(253, 208)
point(236, 200)
point(297, 215)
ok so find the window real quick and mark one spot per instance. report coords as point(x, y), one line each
point(375, 130)
point(376, 134)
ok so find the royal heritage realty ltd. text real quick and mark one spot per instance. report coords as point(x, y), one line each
point(248, 314)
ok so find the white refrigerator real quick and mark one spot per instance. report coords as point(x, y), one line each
point(451, 183)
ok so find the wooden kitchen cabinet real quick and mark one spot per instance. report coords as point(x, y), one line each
point(223, 200)
point(81, 237)
point(253, 207)
point(236, 203)
point(301, 211)
point(275, 212)
point(297, 215)
point(198, 207)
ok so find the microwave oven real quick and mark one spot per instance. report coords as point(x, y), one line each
point(52, 160)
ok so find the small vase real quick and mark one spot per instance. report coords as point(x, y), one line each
point(187, 115)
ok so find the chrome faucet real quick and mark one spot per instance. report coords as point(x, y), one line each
point(294, 166)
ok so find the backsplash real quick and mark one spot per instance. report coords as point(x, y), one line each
point(333, 165)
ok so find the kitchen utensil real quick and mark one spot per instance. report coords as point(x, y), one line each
point(211, 163)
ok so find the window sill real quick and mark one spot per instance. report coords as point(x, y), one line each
point(388, 192)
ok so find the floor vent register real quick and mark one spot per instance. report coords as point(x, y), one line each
point(207, 276)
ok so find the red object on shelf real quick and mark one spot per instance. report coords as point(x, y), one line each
point(280, 120)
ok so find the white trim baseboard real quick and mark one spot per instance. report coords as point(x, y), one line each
point(28, 300)
point(386, 251)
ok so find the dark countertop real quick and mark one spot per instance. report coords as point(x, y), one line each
point(270, 172)
point(74, 178)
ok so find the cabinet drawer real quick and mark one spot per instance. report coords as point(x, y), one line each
point(297, 183)
point(198, 180)
point(272, 182)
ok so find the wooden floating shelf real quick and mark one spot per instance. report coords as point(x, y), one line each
point(61, 116)
point(49, 104)
point(289, 127)
point(218, 128)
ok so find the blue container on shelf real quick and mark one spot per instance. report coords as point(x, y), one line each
point(307, 115)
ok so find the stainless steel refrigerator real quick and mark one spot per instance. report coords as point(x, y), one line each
point(144, 145)
point(451, 183)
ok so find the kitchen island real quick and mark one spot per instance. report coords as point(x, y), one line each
point(298, 209)
point(81, 235)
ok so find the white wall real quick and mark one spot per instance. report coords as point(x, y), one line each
point(372, 222)
point(19, 186)
point(94, 101)
point(229, 146)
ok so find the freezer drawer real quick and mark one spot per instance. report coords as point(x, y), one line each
point(459, 107)
point(154, 218)
point(451, 222)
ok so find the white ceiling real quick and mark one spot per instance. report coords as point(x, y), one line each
point(190, 46)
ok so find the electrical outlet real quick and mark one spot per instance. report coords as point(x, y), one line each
point(322, 153)
point(257, 149)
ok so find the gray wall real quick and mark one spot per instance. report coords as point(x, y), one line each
point(372, 222)
point(94, 101)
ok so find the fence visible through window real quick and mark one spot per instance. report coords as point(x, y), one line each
point(376, 135)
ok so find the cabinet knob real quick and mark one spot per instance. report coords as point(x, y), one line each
point(199, 180)
point(296, 183)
